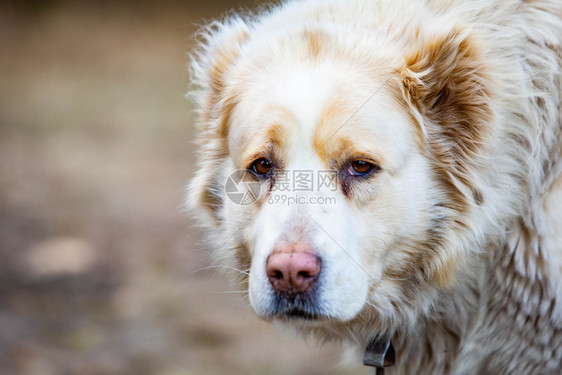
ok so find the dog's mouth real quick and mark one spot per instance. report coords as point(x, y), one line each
point(297, 306)
point(298, 314)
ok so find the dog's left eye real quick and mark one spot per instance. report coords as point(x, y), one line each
point(361, 168)
point(261, 167)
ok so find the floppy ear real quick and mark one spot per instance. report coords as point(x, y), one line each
point(219, 47)
point(447, 85)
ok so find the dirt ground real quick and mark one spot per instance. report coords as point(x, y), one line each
point(101, 271)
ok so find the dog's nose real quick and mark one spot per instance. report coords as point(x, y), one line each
point(292, 270)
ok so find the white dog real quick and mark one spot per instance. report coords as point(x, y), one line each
point(391, 169)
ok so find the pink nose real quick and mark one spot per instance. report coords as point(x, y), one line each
point(292, 269)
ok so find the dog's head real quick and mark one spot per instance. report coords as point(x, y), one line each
point(337, 171)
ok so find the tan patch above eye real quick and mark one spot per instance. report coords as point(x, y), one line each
point(335, 148)
point(278, 135)
point(328, 142)
point(316, 40)
point(258, 140)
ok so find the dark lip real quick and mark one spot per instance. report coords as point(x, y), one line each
point(299, 306)
point(303, 306)
point(298, 314)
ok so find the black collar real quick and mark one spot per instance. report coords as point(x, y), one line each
point(380, 354)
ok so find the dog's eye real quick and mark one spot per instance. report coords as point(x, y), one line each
point(261, 167)
point(361, 168)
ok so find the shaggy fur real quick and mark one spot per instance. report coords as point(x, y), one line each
point(458, 236)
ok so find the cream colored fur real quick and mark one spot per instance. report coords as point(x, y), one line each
point(460, 234)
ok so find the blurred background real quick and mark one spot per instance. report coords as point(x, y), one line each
point(101, 272)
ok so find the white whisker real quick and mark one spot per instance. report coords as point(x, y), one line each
point(247, 273)
point(229, 291)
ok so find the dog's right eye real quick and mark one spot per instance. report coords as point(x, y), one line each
point(261, 167)
point(362, 168)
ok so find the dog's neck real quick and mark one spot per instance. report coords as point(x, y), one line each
point(489, 306)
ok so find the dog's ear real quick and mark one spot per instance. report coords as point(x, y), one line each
point(446, 82)
point(220, 44)
point(448, 89)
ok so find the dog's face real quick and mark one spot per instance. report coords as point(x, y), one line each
point(354, 188)
point(346, 188)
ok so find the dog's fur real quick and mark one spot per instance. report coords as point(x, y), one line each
point(454, 247)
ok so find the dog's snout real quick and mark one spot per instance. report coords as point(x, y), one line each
point(293, 269)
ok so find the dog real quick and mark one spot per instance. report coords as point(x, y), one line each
point(389, 171)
